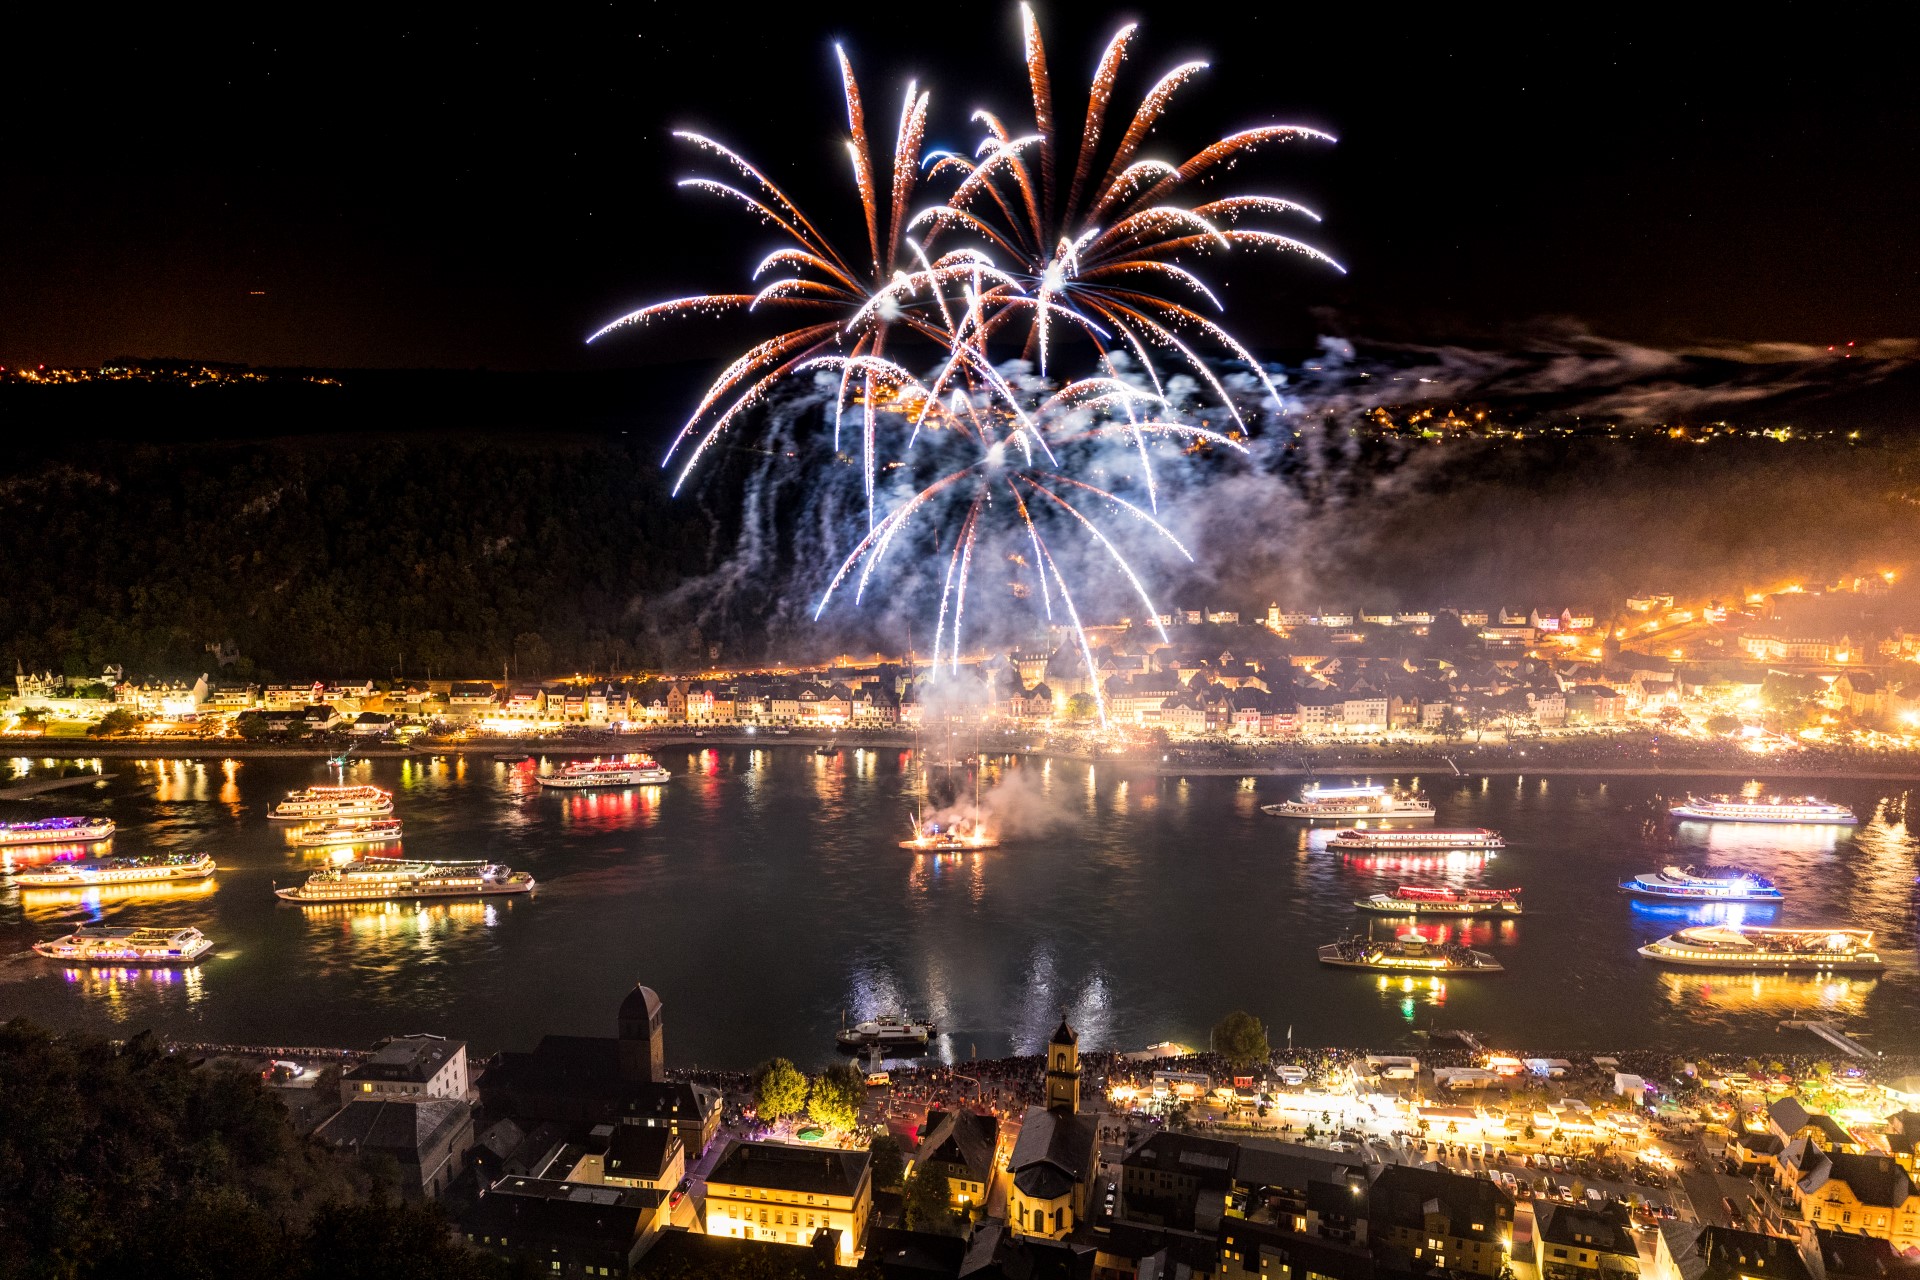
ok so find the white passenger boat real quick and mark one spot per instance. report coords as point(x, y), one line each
point(1675, 884)
point(1352, 802)
point(1747, 947)
point(142, 869)
point(585, 775)
point(391, 879)
point(349, 832)
point(56, 831)
point(112, 946)
point(1796, 809)
point(318, 804)
point(1429, 839)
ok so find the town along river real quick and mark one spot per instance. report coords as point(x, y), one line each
point(762, 892)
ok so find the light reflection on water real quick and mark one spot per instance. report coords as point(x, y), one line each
point(762, 892)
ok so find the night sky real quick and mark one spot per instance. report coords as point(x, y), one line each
point(306, 188)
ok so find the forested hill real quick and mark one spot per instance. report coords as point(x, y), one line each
point(334, 556)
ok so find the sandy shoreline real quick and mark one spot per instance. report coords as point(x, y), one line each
point(74, 749)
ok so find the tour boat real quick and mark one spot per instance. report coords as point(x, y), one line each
point(1362, 840)
point(144, 869)
point(387, 879)
point(961, 835)
point(56, 831)
point(888, 1031)
point(1352, 802)
point(384, 831)
point(1684, 886)
point(1413, 900)
point(116, 946)
point(1412, 956)
point(1800, 809)
point(317, 803)
point(1728, 946)
point(584, 775)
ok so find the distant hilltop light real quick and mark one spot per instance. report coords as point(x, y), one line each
point(256, 293)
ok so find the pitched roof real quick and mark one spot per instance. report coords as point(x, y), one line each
point(1054, 1152)
point(640, 1151)
point(779, 1167)
point(960, 1138)
point(1723, 1253)
point(1586, 1228)
point(1405, 1196)
point(1874, 1179)
point(401, 1128)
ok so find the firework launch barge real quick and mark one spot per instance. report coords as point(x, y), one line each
point(962, 835)
point(1751, 949)
point(128, 946)
point(56, 831)
point(148, 869)
point(1412, 900)
point(398, 879)
point(1411, 957)
point(1352, 802)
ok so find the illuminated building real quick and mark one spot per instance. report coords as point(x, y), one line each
point(1054, 1160)
point(1575, 1243)
point(773, 1192)
point(964, 1146)
point(1442, 1219)
point(410, 1067)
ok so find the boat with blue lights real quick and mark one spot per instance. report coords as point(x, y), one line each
point(56, 831)
point(1675, 884)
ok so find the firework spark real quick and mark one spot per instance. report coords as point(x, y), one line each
point(975, 457)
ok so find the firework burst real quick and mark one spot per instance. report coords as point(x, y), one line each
point(966, 457)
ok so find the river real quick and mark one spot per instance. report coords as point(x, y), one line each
point(761, 892)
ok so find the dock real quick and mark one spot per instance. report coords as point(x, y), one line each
point(22, 790)
point(1833, 1035)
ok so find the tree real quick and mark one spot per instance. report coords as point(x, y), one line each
point(928, 1202)
point(1082, 706)
point(1452, 724)
point(33, 716)
point(779, 1090)
point(889, 1164)
point(167, 1171)
point(1240, 1039)
point(1722, 725)
point(118, 720)
point(838, 1093)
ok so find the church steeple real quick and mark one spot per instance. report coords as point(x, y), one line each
point(1063, 1069)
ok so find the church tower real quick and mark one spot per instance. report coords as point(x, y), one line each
point(642, 1050)
point(1063, 1069)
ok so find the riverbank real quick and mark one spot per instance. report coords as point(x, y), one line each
point(1539, 759)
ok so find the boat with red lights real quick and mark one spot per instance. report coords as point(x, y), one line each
point(1432, 839)
point(1416, 900)
point(586, 775)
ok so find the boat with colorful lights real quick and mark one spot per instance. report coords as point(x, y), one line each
point(149, 868)
point(1732, 946)
point(388, 879)
point(56, 831)
point(318, 804)
point(1415, 900)
point(1352, 802)
point(958, 835)
point(1410, 840)
point(121, 946)
point(1413, 956)
point(585, 775)
point(1684, 885)
point(347, 832)
point(1806, 810)
point(888, 1031)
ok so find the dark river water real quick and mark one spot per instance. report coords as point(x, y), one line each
point(762, 893)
